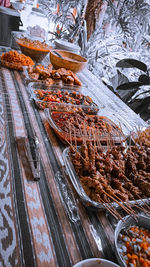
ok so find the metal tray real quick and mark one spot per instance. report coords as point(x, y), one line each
point(127, 221)
point(84, 198)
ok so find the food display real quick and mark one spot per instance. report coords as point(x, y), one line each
point(114, 175)
point(64, 98)
point(125, 175)
point(81, 126)
point(134, 246)
point(15, 60)
point(50, 76)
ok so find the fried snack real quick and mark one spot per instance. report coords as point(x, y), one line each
point(15, 60)
point(51, 76)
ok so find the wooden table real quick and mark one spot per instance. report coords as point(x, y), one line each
point(44, 223)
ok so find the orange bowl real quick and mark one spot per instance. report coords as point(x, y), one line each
point(33, 48)
point(67, 60)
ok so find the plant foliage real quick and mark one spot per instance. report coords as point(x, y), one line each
point(131, 18)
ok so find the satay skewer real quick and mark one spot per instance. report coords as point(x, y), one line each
point(120, 204)
point(126, 204)
point(111, 209)
point(75, 139)
point(142, 209)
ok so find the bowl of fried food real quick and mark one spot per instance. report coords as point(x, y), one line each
point(36, 49)
point(67, 60)
point(15, 60)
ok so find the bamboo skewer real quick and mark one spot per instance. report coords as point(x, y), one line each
point(91, 135)
point(111, 209)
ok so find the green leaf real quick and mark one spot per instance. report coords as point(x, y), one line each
point(129, 86)
point(131, 63)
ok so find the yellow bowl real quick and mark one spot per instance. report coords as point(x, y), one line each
point(67, 60)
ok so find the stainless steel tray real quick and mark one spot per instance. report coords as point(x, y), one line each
point(84, 198)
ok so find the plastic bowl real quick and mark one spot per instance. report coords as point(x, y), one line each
point(67, 60)
point(95, 262)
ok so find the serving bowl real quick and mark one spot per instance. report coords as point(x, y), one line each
point(95, 262)
point(67, 60)
point(37, 49)
point(122, 228)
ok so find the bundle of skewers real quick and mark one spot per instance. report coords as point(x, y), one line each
point(78, 126)
point(113, 174)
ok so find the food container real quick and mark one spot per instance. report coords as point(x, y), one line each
point(32, 46)
point(83, 196)
point(80, 135)
point(67, 60)
point(141, 221)
point(95, 262)
point(13, 66)
point(53, 94)
point(15, 56)
point(13, 43)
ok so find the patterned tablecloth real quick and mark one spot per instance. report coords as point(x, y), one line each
point(44, 223)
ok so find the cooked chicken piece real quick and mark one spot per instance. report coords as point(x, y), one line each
point(49, 81)
point(50, 67)
point(42, 71)
point(55, 74)
point(76, 79)
point(63, 71)
point(68, 79)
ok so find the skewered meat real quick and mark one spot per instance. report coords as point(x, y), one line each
point(114, 174)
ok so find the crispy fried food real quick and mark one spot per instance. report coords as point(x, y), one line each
point(76, 79)
point(68, 79)
point(15, 60)
point(34, 75)
point(55, 75)
point(49, 81)
point(61, 76)
point(40, 69)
